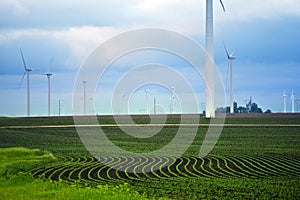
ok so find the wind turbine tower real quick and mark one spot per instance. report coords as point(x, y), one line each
point(230, 57)
point(48, 74)
point(26, 72)
point(172, 99)
point(154, 106)
point(293, 101)
point(147, 93)
point(284, 101)
point(209, 64)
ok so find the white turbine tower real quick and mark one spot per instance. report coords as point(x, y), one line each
point(230, 57)
point(154, 106)
point(209, 65)
point(172, 99)
point(48, 74)
point(293, 101)
point(147, 93)
point(26, 72)
point(284, 101)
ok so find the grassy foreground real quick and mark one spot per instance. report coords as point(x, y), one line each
point(16, 184)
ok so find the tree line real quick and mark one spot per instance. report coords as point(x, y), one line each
point(251, 107)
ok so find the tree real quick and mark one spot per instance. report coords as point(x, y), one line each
point(223, 110)
point(242, 109)
point(251, 107)
point(268, 111)
point(235, 107)
point(255, 108)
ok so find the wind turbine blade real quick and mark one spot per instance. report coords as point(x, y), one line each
point(22, 79)
point(228, 56)
point(222, 5)
point(50, 63)
point(23, 59)
point(284, 94)
point(232, 54)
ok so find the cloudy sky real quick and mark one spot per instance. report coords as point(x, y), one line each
point(265, 35)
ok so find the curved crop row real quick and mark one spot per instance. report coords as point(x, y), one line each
point(91, 170)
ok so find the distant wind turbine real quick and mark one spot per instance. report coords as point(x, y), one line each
point(154, 106)
point(209, 65)
point(48, 74)
point(230, 57)
point(147, 93)
point(284, 101)
point(60, 107)
point(293, 101)
point(26, 72)
point(172, 98)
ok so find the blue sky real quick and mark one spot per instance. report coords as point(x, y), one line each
point(266, 35)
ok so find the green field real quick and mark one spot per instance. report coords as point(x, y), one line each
point(261, 161)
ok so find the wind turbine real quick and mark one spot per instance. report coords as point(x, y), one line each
point(209, 64)
point(147, 93)
point(154, 106)
point(293, 101)
point(172, 98)
point(60, 106)
point(230, 57)
point(26, 72)
point(48, 74)
point(284, 101)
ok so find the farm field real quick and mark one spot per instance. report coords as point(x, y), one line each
point(257, 161)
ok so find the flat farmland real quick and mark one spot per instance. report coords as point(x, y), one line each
point(255, 157)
